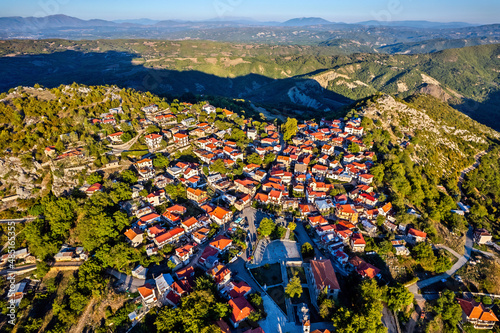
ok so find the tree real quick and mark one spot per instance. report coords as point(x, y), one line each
point(353, 148)
point(94, 178)
point(218, 166)
point(160, 161)
point(449, 310)
point(289, 128)
point(443, 263)
point(294, 287)
point(307, 250)
point(129, 176)
point(398, 298)
point(266, 227)
point(292, 226)
point(424, 255)
point(254, 159)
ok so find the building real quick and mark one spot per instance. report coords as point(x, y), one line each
point(153, 141)
point(357, 242)
point(181, 140)
point(324, 277)
point(221, 215)
point(347, 212)
point(241, 309)
point(221, 275)
point(477, 314)
point(363, 268)
point(415, 236)
point(197, 195)
point(148, 294)
point(169, 237)
point(134, 236)
point(482, 236)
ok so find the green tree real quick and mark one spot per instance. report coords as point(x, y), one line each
point(424, 255)
point(129, 176)
point(289, 129)
point(353, 148)
point(94, 178)
point(449, 310)
point(254, 159)
point(266, 227)
point(292, 226)
point(307, 250)
point(398, 298)
point(218, 166)
point(294, 287)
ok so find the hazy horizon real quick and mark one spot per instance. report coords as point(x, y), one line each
point(478, 12)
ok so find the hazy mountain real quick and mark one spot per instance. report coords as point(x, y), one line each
point(142, 21)
point(419, 24)
point(305, 21)
point(49, 22)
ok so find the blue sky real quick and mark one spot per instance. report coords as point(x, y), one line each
point(473, 11)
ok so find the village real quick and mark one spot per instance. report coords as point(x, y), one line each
point(315, 185)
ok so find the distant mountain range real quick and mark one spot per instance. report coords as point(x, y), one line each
point(369, 36)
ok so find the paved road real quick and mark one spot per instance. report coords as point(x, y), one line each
point(18, 270)
point(118, 149)
point(24, 219)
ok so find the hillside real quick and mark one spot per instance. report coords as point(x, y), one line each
point(295, 76)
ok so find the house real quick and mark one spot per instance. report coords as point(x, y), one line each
point(221, 243)
point(153, 141)
point(181, 139)
point(200, 236)
point(169, 237)
point(163, 284)
point(401, 249)
point(190, 224)
point(357, 242)
point(185, 252)
point(147, 219)
point(318, 220)
point(115, 137)
point(144, 163)
point(363, 268)
point(385, 209)
point(93, 189)
point(477, 314)
point(157, 198)
point(482, 236)
point(50, 151)
point(150, 108)
point(221, 215)
point(148, 294)
point(365, 179)
point(221, 275)
point(197, 195)
point(324, 278)
point(241, 309)
point(238, 289)
point(134, 236)
point(140, 272)
point(347, 212)
point(16, 295)
point(415, 236)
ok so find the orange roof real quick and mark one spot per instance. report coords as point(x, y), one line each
point(132, 233)
point(146, 290)
point(358, 238)
point(180, 136)
point(169, 234)
point(220, 212)
point(241, 309)
point(347, 209)
point(116, 134)
point(318, 219)
point(94, 187)
point(475, 310)
point(177, 209)
point(417, 233)
point(239, 289)
point(190, 222)
point(387, 207)
point(153, 136)
point(221, 242)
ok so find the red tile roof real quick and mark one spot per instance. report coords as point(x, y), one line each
point(241, 309)
point(324, 274)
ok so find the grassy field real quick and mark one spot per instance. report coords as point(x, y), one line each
point(268, 275)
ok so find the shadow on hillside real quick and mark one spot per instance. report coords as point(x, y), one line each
point(118, 68)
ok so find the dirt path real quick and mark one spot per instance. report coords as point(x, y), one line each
point(85, 317)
